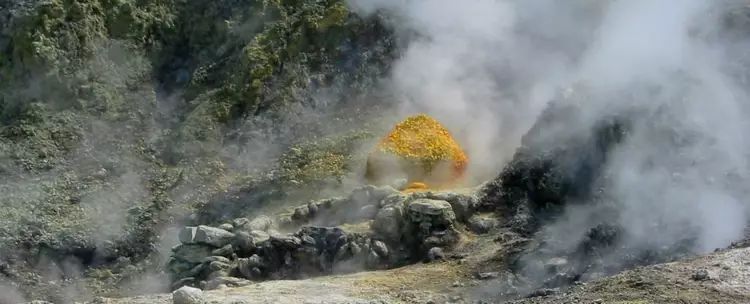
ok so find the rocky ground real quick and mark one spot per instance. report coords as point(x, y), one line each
point(474, 267)
point(227, 128)
point(721, 277)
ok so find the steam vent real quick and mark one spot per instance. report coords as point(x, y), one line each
point(421, 150)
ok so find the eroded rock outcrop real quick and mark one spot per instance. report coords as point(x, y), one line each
point(394, 229)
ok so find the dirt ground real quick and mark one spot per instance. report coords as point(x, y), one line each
point(721, 277)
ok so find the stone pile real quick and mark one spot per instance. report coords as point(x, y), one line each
point(401, 229)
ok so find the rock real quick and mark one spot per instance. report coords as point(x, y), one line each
point(429, 207)
point(555, 264)
point(192, 253)
point(361, 196)
point(388, 222)
point(182, 282)
point(463, 205)
point(216, 259)
point(218, 266)
point(261, 223)
point(178, 266)
point(259, 236)
point(212, 236)
point(188, 295)
point(250, 267)
point(380, 248)
point(243, 242)
point(312, 209)
point(227, 227)
point(373, 260)
point(289, 241)
point(430, 210)
point(193, 272)
point(394, 199)
point(368, 211)
point(205, 235)
point(543, 292)
point(354, 248)
point(217, 274)
point(226, 251)
point(487, 275)
point(301, 214)
point(187, 235)
point(481, 225)
point(240, 223)
point(379, 193)
point(400, 183)
point(435, 254)
point(218, 282)
point(700, 275)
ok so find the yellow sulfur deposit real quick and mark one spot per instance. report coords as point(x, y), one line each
point(420, 149)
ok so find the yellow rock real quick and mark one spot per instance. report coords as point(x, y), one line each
point(421, 150)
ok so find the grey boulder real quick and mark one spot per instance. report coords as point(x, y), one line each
point(206, 235)
point(188, 295)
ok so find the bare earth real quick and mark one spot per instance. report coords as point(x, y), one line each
point(454, 281)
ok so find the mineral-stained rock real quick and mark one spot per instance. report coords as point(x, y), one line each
point(188, 295)
point(420, 149)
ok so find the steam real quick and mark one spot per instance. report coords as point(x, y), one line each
point(479, 69)
point(681, 162)
point(487, 68)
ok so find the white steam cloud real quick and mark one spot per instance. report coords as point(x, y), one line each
point(488, 68)
point(468, 65)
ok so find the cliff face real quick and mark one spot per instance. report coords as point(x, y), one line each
point(118, 118)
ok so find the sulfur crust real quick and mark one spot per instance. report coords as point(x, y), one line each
point(422, 140)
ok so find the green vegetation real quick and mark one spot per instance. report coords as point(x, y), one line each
point(118, 118)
